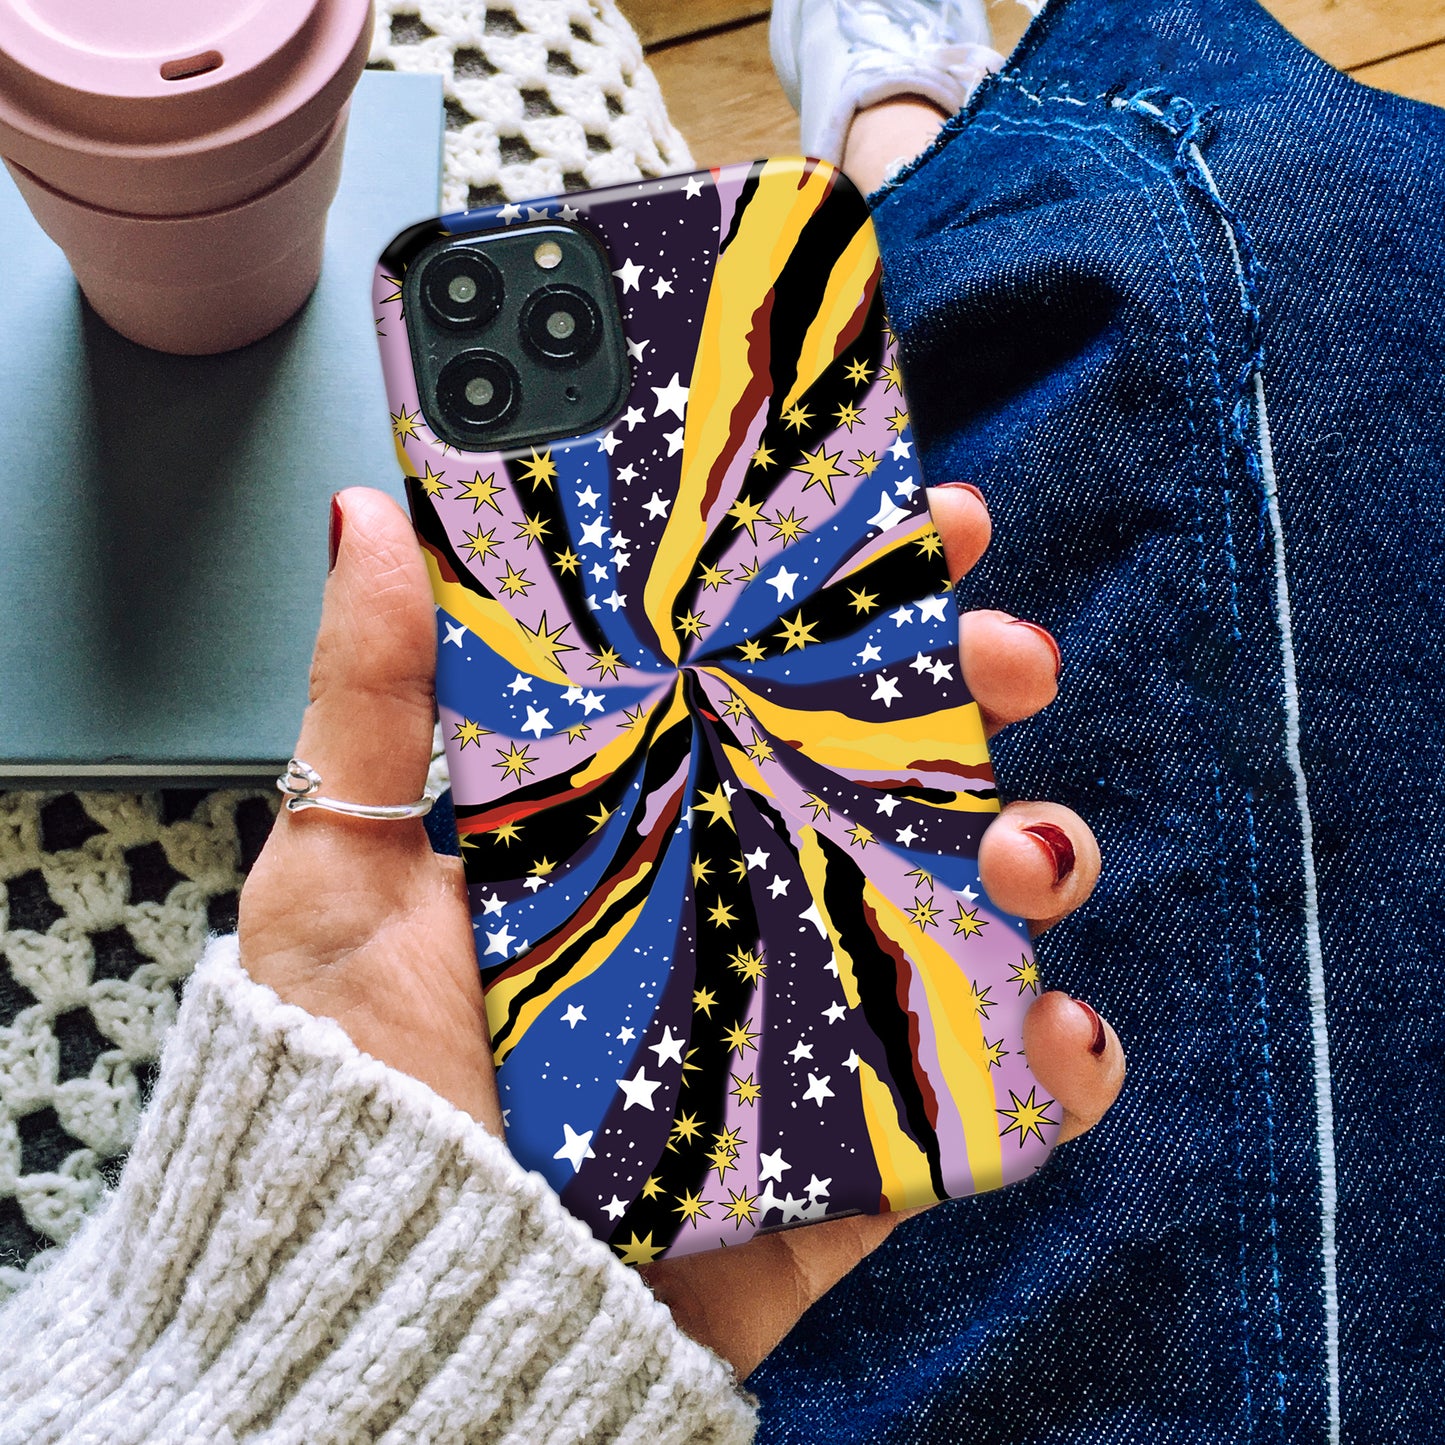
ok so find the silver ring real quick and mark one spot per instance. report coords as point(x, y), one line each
point(301, 784)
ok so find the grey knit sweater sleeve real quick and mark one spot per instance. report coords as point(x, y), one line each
point(308, 1246)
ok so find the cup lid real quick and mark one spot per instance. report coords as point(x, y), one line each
point(87, 81)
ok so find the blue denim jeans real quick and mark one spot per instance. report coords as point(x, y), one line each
point(1170, 291)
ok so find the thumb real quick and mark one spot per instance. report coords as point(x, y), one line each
point(368, 726)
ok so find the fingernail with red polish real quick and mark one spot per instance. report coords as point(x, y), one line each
point(1047, 637)
point(967, 487)
point(333, 539)
point(1056, 843)
point(1100, 1040)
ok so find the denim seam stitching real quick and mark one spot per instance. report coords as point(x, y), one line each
point(1230, 428)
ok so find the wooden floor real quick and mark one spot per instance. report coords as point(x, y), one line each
point(711, 58)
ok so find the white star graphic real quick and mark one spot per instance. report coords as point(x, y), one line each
point(870, 653)
point(608, 443)
point(756, 859)
point(674, 441)
point(573, 694)
point(900, 450)
point(662, 287)
point(587, 497)
point(618, 542)
point(615, 600)
point(792, 1209)
point(901, 616)
point(886, 804)
point(520, 683)
point(906, 488)
point(629, 273)
point(636, 348)
point(614, 1208)
point(533, 883)
point(591, 702)
point(852, 1061)
point(593, 533)
point(801, 1051)
point(575, 1147)
point(818, 1089)
point(931, 609)
point(811, 915)
point(656, 506)
point(536, 213)
point(639, 1089)
point(834, 1013)
point(782, 582)
point(771, 1166)
point(942, 670)
point(671, 398)
point(692, 188)
point(599, 572)
point(492, 904)
point(621, 559)
point(888, 514)
point(634, 417)
point(626, 1036)
point(455, 632)
point(778, 885)
point(921, 663)
point(886, 691)
point(509, 213)
point(500, 941)
point(574, 1016)
point(627, 474)
point(668, 1048)
point(537, 721)
point(908, 836)
point(569, 213)
point(818, 1186)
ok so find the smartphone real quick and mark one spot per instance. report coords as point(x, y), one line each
point(719, 785)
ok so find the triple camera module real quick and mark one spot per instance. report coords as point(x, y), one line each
point(515, 336)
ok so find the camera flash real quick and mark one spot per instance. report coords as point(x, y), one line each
point(548, 255)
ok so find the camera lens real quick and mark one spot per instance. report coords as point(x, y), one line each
point(462, 288)
point(478, 389)
point(561, 323)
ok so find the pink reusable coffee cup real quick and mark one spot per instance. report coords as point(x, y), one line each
point(182, 154)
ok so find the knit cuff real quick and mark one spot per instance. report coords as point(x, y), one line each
point(307, 1243)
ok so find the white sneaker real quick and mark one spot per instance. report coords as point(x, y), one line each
point(836, 56)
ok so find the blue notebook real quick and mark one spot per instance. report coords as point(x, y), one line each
point(163, 519)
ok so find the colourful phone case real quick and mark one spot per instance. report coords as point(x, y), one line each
point(719, 784)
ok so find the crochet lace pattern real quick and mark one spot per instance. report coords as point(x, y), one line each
point(106, 898)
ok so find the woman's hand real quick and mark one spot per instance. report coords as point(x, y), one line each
point(361, 922)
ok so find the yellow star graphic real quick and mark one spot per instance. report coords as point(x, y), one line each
point(752, 650)
point(701, 870)
point(820, 467)
point(923, 914)
point(730, 1138)
point(714, 577)
point(894, 378)
point(789, 528)
point(480, 490)
point(994, 1053)
point(930, 543)
point(480, 544)
point(866, 463)
point(651, 1189)
point(722, 1160)
point(721, 915)
point(432, 484)
point(734, 707)
point(848, 415)
point(567, 561)
point(745, 1091)
point(541, 868)
point(979, 1000)
point(749, 966)
point(631, 719)
point(548, 641)
point(514, 761)
point(967, 922)
point(539, 470)
point(762, 457)
point(468, 732)
point(690, 625)
point(508, 832)
point(639, 1251)
point(898, 420)
point(760, 750)
point(797, 417)
point(715, 805)
point(740, 869)
point(863, 600)
point(532, 528)
point(403, 424)
point(860, 835)
point(513, 581)
point(605, 662)
point(819, 808)
point(858, 372)
point(395, 295)
point(747, 573)
point(746, 513)
point(703, 1000)
point(1026, 1115)
point(692, 1207)
point(923, 877)
point(686, 1128)
point(600, 817)
point(741, 1207)
point(577, 731)
point(740, 1037)
point(795, 632)
point(1025, 974)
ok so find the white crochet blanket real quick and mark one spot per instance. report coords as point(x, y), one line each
point(108, 897)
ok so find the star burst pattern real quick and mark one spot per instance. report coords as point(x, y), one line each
point(718, 782)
